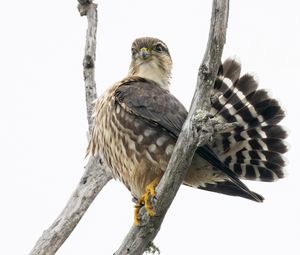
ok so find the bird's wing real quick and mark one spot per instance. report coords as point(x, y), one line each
point(146, 99)
point(157, 106)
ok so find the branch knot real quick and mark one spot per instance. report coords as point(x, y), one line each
point(202, 126)
point(203, 69)
point(88, 61)
point(83, 6)
point(83, 2)
point(206, 126)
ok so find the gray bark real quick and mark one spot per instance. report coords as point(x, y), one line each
point(93, 180)
point(96, 175)
point(196, 131)
point(90, 10)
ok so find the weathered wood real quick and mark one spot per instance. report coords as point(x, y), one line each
point(96, 175)
point(90, 10)
point(91, 183)
point(195, 132)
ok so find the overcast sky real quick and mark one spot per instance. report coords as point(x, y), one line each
point(43, 122)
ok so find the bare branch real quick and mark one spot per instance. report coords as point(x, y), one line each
point(91, 183)
point(90, 10)
point(190, 137)
point(96, 174)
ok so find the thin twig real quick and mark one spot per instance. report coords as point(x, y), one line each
point(139, 237)
point(96, 174)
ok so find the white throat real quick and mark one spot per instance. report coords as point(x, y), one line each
point(151, 71)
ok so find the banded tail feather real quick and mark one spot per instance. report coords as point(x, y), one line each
point(254, 149)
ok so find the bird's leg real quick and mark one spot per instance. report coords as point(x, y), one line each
point(145, 200)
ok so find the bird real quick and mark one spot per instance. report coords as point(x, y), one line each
point(137, 121)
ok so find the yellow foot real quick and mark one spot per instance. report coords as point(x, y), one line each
point(145, 200)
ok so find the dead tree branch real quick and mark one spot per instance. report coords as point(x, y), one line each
point(90, 10)
point(96, 175)
point(91, 183)
point(195, 132)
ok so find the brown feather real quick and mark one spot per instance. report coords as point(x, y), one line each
point(137, 122)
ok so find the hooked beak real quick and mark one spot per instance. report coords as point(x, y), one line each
point(144, 53)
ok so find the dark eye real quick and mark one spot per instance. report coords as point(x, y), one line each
point(133, 51)
point(159, 48)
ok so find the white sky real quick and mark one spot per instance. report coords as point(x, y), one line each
point(43, 131)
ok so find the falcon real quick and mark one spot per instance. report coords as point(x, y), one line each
point(137, 122)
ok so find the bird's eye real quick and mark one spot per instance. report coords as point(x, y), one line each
point(159, 48)
point(133, 51)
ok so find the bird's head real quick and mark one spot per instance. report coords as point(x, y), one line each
point(151, 60)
